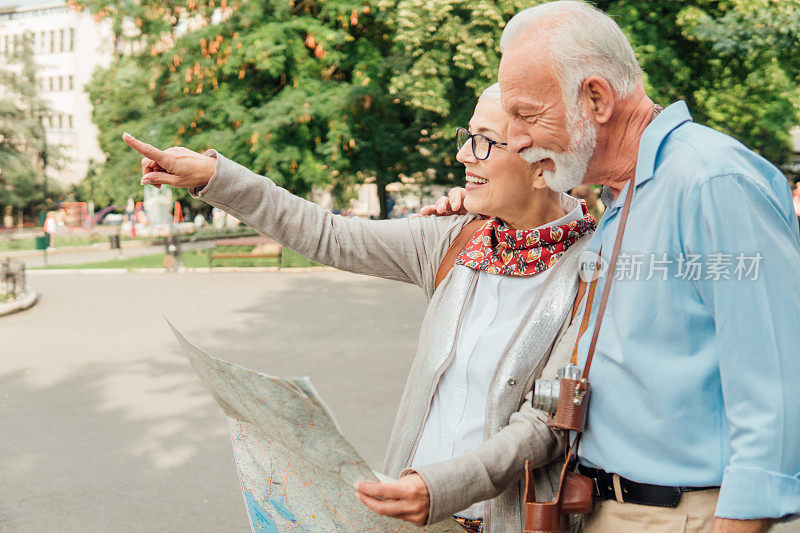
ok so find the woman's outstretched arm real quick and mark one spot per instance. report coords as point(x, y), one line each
point(401, 249)
point(407, 250)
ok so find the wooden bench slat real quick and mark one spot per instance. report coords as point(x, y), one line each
point(263, 247)
point(243, 256)
point(244, 241)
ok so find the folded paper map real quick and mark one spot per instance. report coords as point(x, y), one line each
point(295, 467)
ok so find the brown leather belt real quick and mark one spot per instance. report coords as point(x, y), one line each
point(633, 492)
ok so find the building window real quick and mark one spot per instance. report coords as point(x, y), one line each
point(50, 83)
point(70, 82)
point(52, 41)
point(61, 83)
point(69, 121)
point(71, 39)
point(61, 37)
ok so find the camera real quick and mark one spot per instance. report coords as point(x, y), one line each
point(565, 398)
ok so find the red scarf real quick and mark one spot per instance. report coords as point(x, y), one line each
point(495, 249)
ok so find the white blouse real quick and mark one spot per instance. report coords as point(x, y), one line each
point(458, 409)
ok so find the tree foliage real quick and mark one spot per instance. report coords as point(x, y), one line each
point(333, 91)
point(23, 146)
point(735, 62)
point(293, 91)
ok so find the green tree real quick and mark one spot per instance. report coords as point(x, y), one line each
point(735, 62)
point(295, 91)
point(445, 53)
point(331, 92)
point(24, 151)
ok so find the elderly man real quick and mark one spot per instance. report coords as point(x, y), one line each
point(694, 411)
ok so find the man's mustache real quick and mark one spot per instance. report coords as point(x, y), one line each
point(534, 154)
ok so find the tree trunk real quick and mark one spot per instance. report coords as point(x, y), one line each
point(381, 182)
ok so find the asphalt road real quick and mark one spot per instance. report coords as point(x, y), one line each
point(105, 428)
point(103, 425)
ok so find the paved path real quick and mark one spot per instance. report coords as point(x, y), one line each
point(106, 428)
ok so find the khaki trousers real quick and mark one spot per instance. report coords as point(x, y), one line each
point(694, 514)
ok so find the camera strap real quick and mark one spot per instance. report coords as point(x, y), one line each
point(586, 315)
point(575, 492)
point(612, 268)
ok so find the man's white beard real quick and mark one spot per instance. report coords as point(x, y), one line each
point(571, 165)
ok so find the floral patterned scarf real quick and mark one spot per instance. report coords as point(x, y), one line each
point(496, 249)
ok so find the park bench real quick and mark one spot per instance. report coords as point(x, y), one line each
point(262, 247)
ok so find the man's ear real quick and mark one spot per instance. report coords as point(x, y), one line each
point(538, 177)
point(598, 96)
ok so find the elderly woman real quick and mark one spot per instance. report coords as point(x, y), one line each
point(505, 291)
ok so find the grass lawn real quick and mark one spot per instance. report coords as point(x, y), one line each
point(9, 245)
point(192, 259)
point(13, 245)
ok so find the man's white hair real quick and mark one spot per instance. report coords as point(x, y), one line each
point(492, 91)
point(582, 41)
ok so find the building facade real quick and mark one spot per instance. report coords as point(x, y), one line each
point(68, 46)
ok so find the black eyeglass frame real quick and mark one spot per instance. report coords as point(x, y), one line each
point(471, 136)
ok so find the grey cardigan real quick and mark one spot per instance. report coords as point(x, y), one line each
point(411, 250)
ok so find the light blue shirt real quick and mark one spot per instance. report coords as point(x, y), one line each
point(696, 376)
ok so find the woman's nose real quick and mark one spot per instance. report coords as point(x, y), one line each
point(465, 154)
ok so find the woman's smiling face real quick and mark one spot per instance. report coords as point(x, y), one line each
point(504, 184)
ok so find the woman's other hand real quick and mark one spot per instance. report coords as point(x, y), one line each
point(176, 166)
point(452, 204)
point(406, 499)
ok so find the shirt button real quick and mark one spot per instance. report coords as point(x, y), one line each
point(512, 382)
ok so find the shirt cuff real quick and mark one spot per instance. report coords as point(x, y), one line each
point(409, 471)
point(198, 192)
point(748, 493)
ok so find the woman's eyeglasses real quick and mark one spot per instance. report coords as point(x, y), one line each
point(481, 146)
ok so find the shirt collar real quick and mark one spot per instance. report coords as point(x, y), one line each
point(607, 197)
point(572, 207)
point(652, 139)
point(654, 135)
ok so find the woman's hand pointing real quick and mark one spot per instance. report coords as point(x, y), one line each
point(176, 166)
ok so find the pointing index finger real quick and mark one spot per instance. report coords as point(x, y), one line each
point(145, 149)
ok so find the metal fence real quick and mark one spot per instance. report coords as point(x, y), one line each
point(12, 278)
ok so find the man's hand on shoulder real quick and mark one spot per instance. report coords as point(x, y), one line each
point(452, 204)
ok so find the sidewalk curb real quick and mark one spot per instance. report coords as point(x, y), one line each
point(205, 270)
point(26, 301)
